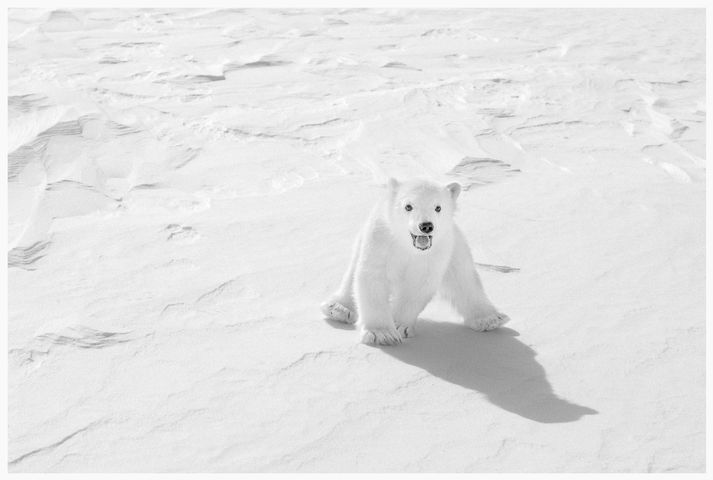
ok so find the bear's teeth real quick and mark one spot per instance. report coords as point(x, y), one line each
point(422, 242)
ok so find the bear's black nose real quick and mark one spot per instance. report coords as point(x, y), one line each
point(426, 227)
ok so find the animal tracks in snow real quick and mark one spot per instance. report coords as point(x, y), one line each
point(182, 234)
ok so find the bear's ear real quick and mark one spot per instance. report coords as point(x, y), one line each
point(454, 188)
point(393, 184)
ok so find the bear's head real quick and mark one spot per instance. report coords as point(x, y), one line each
point(421, 211)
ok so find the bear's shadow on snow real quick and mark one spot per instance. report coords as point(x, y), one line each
point(494, 363)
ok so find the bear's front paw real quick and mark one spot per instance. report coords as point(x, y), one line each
point(406, 331)
point(488, 322)
point(380, 336)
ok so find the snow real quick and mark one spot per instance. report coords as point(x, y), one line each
point(184, 188)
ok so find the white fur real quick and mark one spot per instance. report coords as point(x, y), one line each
point(389, 281)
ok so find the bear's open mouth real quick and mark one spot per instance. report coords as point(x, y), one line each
point(422, 242)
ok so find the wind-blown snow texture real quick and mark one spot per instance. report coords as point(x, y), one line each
point(185, 186)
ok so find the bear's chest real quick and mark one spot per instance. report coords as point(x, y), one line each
point(417, 271)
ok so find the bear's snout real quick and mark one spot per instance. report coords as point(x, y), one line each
point(426, 227)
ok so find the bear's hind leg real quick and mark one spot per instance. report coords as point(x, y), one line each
point(341, 306)
point(463, 288)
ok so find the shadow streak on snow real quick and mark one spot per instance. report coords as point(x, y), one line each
point(339, 325)
point(494, 363)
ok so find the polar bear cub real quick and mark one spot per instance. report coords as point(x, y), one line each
point(409, 250)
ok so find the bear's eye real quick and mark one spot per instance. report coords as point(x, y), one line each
point(438, 208)
point(408, 208)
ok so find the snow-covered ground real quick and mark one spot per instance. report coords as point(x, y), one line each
point(184, 188)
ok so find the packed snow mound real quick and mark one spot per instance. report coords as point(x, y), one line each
point(184, 188)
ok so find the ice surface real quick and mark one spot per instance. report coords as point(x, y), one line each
point(185, 186)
